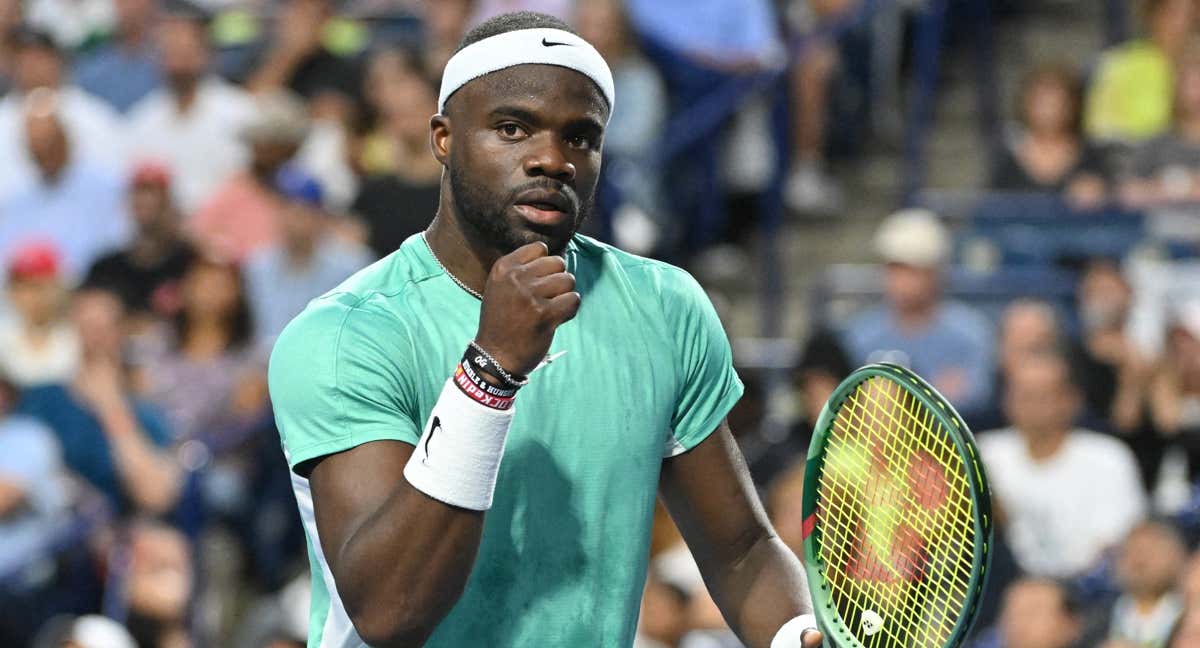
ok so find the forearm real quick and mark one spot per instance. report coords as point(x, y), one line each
point(762, 591)
point(406, 566)
point(151, 479)
point(274, 72)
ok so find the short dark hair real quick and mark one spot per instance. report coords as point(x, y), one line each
point(511, 22)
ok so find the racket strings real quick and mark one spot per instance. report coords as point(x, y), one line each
point(878, 483)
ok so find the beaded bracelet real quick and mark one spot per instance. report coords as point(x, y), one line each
point(495, 368)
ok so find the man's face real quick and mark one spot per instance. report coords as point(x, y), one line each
point(910, 287)
point(36, 299)
point(149, 205)
point(1150, 561)
point(524, 154)
point(1041, 400)
point(37, 67)
point(1034, 616)
point(183, 44)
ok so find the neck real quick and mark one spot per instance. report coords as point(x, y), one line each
point(915, 317)
point(206, 337)
point(1045, 445)
point(185, 94)
point(457, 248)
point(299, 253)
point(133, 34)
point(151, 246)
point(1190, 128)
point(1051, 136)
point(1145, 602)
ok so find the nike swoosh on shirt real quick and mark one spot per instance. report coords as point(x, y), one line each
point(548, 359)
point(549, 43)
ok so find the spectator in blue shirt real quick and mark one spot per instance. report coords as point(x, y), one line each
point(949, 344)
point(108, 438)
point(307, 261)
point(125, 69)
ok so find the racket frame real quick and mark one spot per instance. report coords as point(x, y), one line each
point(835, 629)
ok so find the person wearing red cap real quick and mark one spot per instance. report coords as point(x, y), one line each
point(39, 344)
point(147, 272)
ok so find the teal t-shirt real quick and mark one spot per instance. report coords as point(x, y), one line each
point(647, 373)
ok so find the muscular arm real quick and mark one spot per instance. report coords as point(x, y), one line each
point(400, 558)
point(753, 577)
point(149, 476)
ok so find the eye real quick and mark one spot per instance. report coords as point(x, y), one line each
point(581, 142)
point(510, 131)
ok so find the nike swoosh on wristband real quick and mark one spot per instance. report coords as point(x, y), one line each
point(548, 43)
point(548, 359)
point(437, 425)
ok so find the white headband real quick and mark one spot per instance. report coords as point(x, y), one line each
point(525, 47)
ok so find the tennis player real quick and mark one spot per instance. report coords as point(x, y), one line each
point(478, 424)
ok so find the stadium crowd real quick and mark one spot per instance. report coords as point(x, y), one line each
point(178, 179)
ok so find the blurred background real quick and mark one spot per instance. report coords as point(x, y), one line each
point(1003, 195)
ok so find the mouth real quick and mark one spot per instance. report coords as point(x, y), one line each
point(544, 207)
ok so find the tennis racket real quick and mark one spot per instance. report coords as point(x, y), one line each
point(897, 515)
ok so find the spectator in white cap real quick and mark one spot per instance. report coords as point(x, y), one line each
point(948, 343)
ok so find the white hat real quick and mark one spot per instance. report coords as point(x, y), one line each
point(95, 631)
point(913, 237)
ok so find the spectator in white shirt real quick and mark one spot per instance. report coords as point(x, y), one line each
point(1063, 495)
point(40, 344)
point(70, 201)
point(1148, 569)
point(193, 123)
point(89, 122)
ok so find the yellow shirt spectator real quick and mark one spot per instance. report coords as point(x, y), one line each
point(1132, 93)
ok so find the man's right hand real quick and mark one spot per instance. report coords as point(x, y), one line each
point(528, 295)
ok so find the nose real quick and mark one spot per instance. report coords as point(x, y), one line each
point(548, 159)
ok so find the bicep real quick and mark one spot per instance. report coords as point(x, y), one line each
point(711, 498)
point(350, 486)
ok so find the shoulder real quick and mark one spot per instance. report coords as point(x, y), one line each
point(636, 272)
point(962, 319)
point(147, 108)
point(1002, 442)
point(1099, 448)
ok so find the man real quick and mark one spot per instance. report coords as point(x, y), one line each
point(1147, 569)
point(125, 69)
point(88, 121)
point(395, 482)
point(1045, 474)
point(194, 121)
point(1037, 613)
point(146, 273)
point(40, 345)
point(239, 218)
point(948, 343)
point(307, 261)
point(116, 444)
point(71, 202)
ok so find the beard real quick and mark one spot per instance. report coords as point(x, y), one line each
point(485, 213)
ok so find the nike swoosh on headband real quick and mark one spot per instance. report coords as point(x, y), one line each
point(549, 43)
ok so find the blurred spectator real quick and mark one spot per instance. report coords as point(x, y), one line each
point(1043, 475)
point(32, 494)
point(1187, 631)
point(146, 274)
point(1111, 369)
point(208, 354)
point(40, 345)
point(1131, 95)
point(948, 343)
point(1028, 328)
point(1049, 153)
point(89, 122)
point(10, 17)
point(194, 122)
point(307, 261)
point(239, 217)
point(298, 60)
point(663, 619)
point(721, 34)
point(71, 202)
point(125, 69)
point(159, 585)
point(1167, 168)
point(823, 365)
point(561, 9)
point(113, 441)
point(89, 631)
point(784, 502)
point(809, 188)
point(632, 206)
point(74, 24)
point(1037, 613)
point(400, 195)
point(1147, 568)
point(444, 23)
point(1175, 389)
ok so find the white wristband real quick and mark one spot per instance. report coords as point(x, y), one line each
point(790, 635)
point(457, 459)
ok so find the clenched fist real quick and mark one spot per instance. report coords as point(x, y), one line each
point(528, 295)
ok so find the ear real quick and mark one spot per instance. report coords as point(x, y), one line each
point(439, 138)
